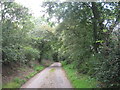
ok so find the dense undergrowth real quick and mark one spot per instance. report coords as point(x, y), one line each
point(79, 80)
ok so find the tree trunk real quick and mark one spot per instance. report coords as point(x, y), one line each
point(94, 10)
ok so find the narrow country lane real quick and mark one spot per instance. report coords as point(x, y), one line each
point(51, 77)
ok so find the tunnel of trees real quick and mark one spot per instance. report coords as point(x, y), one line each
point(86, 35)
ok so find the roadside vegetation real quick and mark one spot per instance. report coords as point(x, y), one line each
point(79, 80)
point(18, 82)
point(85, 35)
point(88, 39)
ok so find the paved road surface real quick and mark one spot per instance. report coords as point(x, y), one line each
point(51, 77)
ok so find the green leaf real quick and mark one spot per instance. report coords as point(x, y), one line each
point(105, 30)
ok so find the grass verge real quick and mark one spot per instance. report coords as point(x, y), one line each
point(17, 82)
point(79, 80)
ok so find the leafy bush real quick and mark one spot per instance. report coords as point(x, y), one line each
point(31, 75)
point(31, 53)
point(18, 80)
point(11, 53)
point(108, 72)
point(80, 81)
point(38, 68)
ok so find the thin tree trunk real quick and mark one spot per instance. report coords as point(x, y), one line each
point(94, 10)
